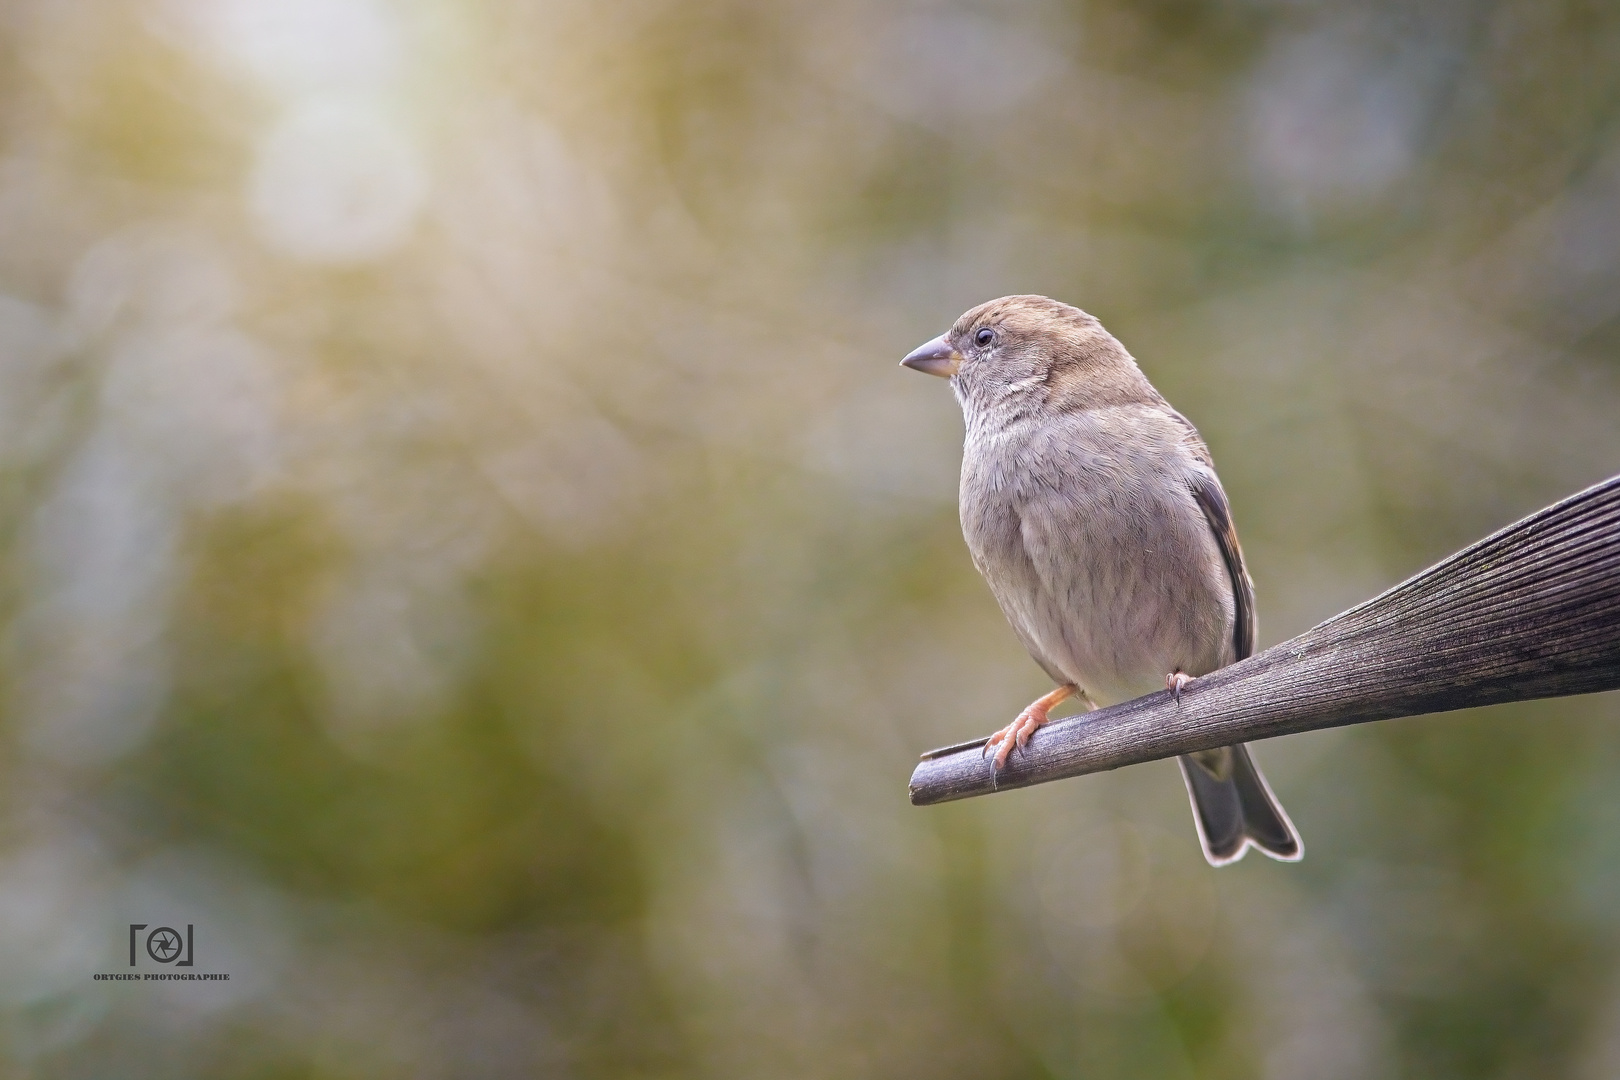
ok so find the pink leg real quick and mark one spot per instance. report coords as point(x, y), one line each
point(1017, 733)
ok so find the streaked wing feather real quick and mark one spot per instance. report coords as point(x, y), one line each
point(1207, 490)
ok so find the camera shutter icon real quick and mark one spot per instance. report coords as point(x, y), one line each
point(163, 945)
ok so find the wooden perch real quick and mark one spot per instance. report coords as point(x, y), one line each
point(1532, 611)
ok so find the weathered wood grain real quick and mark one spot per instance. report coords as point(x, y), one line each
point(1532, 611)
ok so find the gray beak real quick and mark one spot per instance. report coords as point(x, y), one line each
point(934, 358)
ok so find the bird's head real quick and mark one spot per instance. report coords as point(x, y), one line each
point(1032, 348)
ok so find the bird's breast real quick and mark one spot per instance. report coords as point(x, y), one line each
point(1098, 554)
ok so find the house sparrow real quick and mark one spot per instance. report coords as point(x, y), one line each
point(1093, 510)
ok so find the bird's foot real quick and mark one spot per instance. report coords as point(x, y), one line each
point(1175, 682)
point(1017, 733)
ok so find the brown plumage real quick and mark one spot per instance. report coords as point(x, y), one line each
point(1093, 511)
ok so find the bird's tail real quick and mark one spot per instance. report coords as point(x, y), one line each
point(1234, 808)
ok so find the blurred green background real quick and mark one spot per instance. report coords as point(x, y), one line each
point(469, 549)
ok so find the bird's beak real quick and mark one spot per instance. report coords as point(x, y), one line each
point(934, 358)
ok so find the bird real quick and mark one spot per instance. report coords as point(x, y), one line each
point(1093, 511)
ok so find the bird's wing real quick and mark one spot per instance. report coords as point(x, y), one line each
point(1206, 488)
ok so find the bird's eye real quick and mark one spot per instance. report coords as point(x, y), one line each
point(985, 336)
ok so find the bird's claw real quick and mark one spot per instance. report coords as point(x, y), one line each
point(1175, 682)
point(1014, 736)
